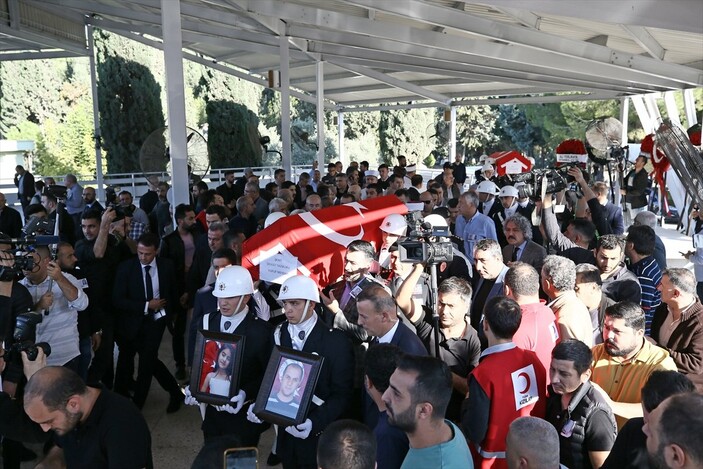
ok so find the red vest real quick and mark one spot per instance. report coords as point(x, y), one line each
point(514, 381)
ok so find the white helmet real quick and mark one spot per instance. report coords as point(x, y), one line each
point(272, 218)
point(487, 167)
point(482, 158)
point(436, 220)
point(394, 224)
point(508, 191)
point(487, 187)
point(299, 287)
point(233, 280)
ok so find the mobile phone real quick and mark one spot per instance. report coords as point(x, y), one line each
point(241, 458)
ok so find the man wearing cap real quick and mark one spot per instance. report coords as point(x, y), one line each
point(304, 331)
point(392, 228)
point(487, 191)
point(509, 206)
point(236, 315)
point(409, 173)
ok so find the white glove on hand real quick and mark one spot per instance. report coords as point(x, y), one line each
point(237, 400)
point(189, 399)
point(251, 416)
point(301, 431)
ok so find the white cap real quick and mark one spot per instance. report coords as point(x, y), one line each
point(436, 220)
point(299, 287)
point(487, 167)
point(488, 187)
point(272, 218)
point(508, 191)
point(394, 224)
point(233, 281)
point(482, 158)
point(411, 168)
point(371, 172)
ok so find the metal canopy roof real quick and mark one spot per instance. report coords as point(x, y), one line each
point(437, 52)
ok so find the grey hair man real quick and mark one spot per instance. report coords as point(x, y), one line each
point(520, 247)
point(558, 282)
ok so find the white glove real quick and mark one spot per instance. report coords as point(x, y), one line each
point(189, 399)
point(237, 400)
point(251, 416)
point(301, 431)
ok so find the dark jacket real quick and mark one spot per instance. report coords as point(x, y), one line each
point(686, 342)
point(623, 286)
point(129, 295)
point(586, 405)
point(613, 215)
point(408, 341)
point(28, 189)
point(10, 222)
point(637, 188)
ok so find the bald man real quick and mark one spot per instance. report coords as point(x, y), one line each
point(524, 451)
point(93, 427)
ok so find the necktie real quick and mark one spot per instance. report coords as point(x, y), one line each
point(149, 284)
point(515, 253)
point(301, 335)
point(228, 324)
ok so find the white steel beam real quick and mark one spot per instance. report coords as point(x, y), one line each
point(624, 116)
point(396, 83)
point(650, 102)
point(451, 18)
point(646, 119)
point(320, 115)
point(173, 60)
point(340, 138)
point(645, 40)
point(285, 102)
point(452, 134)
point(689, 105)
point(672, 110)
point(97, 138)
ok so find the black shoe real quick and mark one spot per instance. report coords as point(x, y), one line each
point(174, 404)
point(273, 460)
point(181, 373)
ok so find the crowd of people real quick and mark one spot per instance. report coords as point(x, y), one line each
point(555, 335)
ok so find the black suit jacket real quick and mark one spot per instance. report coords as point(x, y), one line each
point(10, 222)
point(129, 295)
point(534, 255)
point(408, 341)
point(28, 189)
point(257, 349)
point(613, 215)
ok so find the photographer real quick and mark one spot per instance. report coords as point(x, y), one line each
point(59, 296)
point(58, 212)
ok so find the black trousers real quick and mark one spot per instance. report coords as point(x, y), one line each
point(146, 345)
point(178, 336)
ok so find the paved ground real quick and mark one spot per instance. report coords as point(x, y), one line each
point(177, 438)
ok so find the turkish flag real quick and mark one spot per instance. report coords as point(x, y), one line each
point(317, 240)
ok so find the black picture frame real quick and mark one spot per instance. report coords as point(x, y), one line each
point(208, 346)
point(270, 405)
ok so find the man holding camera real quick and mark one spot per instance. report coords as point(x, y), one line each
point(58, 296)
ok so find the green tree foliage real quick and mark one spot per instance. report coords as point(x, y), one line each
point(406, 132)
point(513, 130)
point(130, 109)
point(232, 135)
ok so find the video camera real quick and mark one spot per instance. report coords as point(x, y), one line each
point(24, 335)
point(424, 243)
point(121, 212)
point(22, 259)
point(530, 184)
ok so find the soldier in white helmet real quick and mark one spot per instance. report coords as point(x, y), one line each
point(487, 192)
point(393, 227)
point(236, 314)
point(304, 331)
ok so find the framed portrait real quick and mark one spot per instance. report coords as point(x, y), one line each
point(288, 386)
point(214, 378)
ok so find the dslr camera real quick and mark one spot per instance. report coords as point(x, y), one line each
point(425, 243)
point(24, 335)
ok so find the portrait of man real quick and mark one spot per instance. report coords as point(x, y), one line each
point(288, 388)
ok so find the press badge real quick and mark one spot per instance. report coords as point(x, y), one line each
point(568, 428)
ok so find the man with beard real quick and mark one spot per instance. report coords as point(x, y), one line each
point(674, 432)
point(304, 331)
point(585, 423)
point(416, 401)
point(179, 246)
point(93, 427)
point(618, 282)
point(625, 360)
point(91, 202)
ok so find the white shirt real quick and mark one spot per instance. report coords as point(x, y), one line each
point(154, 274)
point(60, 327)
point(305, 327)
point(235, 320)
point(388, 336)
